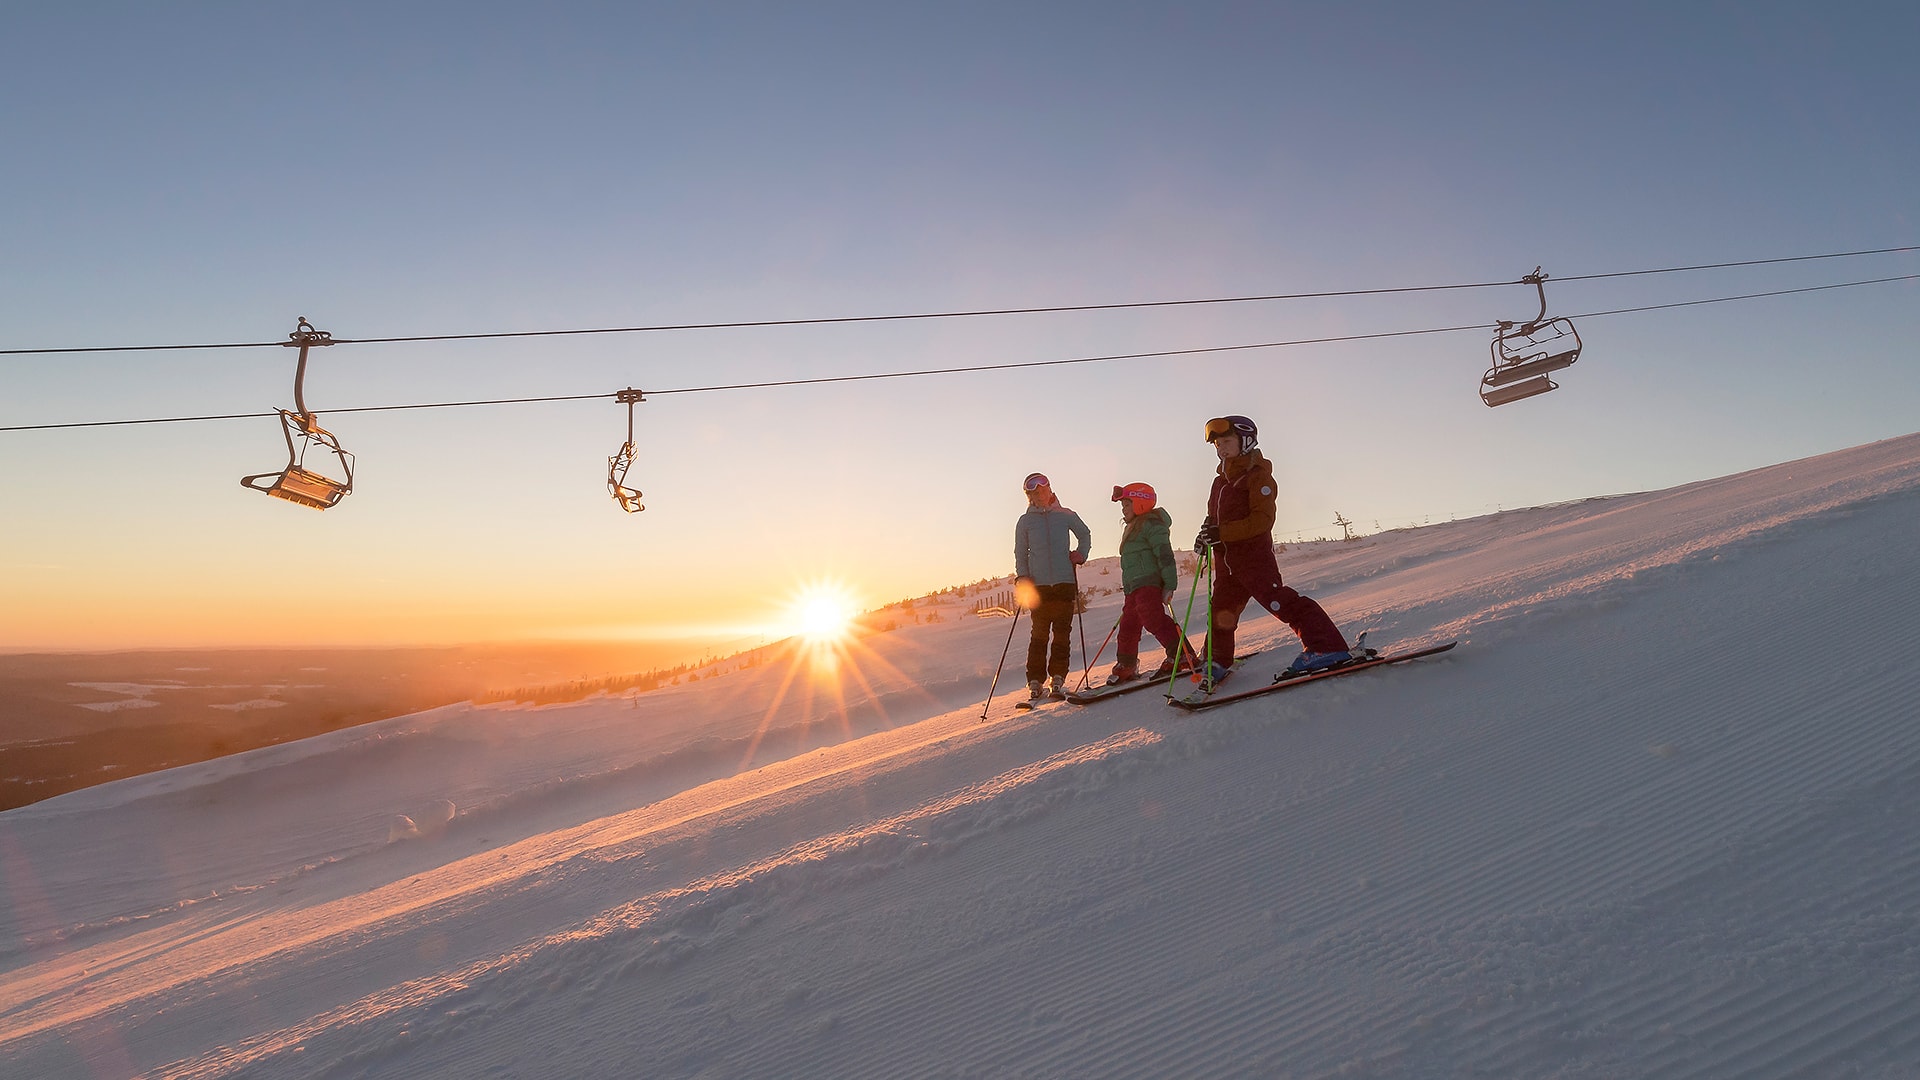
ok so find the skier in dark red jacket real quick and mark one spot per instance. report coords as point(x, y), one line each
point(1239, 529)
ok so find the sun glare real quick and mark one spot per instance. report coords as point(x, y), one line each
point(823, 613)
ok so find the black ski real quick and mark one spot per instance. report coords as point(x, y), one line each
point(1197, 701)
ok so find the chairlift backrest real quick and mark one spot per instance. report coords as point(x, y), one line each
point(1537, 364)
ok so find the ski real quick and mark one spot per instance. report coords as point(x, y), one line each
point(1196, 702)
point(1030, 704)
point(1102, 693)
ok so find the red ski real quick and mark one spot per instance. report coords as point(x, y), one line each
point(1197, 701)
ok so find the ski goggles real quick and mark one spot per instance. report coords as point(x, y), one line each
point(1219, 426)
point(1036, 481)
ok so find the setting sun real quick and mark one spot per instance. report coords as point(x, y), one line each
point(823, 612)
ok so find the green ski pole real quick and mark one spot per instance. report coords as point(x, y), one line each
point(1200, 570)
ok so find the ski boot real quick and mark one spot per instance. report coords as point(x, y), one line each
point(1211, 676)
point(1309, 662)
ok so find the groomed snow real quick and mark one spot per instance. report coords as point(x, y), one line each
point(1656, 817)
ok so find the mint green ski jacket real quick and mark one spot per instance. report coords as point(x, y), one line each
point(1146, 553)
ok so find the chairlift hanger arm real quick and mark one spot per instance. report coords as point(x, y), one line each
point(304, 337)
point(1539, 282)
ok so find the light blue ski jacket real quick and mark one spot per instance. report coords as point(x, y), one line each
point(1042, 544)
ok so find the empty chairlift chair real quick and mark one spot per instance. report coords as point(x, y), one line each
point(618, 464)
point(297, 483)
point(1523, 355)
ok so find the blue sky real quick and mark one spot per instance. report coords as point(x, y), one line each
point(209, 173)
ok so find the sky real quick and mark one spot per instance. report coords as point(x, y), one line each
point(213, 173)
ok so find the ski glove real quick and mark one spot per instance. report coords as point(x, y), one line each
point(1209, 535)
point(1079, 558)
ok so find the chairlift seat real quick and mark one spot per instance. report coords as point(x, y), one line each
point(300, 485)
point(1539, 384)
point(296, 483)
point(617, 465)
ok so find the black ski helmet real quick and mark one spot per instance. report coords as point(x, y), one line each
point(1227, 425)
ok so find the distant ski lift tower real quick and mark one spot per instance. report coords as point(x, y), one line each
point(297, 483)
point(1346, 527)
point(1524, 354)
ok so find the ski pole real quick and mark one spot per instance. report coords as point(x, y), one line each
point(1209, 642)
point(1187, 656)
point(1200, 568)
point(1103, 651)
point(1081, 618)
point(1008, 647)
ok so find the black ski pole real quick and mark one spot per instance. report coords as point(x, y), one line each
point(1008, 647)
point(1081, 617)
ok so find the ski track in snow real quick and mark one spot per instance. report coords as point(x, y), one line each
point(1653, 818)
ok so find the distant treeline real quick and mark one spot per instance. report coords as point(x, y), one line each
point(580, 689)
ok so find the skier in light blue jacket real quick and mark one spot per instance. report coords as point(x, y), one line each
point(1044, 558)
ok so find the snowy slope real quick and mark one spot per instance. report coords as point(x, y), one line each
point(1655, 817)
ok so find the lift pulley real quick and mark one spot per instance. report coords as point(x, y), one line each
point(297, 483)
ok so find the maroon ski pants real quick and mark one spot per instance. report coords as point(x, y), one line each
point(1145, 610)
point(1234, 585)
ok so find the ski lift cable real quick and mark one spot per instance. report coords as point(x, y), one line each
point(1744, 296)
point(983, 313)
point(1730, 265)
point(760, 385)
point(920, 373)
point(276, 412)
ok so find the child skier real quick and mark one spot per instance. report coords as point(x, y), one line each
point(1239, 531)
point(1043, 562)
point(1148, 576)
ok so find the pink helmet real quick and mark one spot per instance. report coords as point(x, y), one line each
point(1138, 496)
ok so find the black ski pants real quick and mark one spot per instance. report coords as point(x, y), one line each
point(1053, 616)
